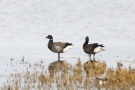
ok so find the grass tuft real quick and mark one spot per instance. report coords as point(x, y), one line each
point(64, 76)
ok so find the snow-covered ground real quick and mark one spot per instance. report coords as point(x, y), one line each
point(24, 24)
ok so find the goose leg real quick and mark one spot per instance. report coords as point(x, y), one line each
point(94, 57)
point(90, 57)
point(58, 56)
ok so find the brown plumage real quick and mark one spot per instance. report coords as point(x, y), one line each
point(58, 47)
point(92, 48)
point(89, 48)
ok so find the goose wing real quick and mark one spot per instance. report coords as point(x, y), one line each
point(91, 47)
point(58, 46)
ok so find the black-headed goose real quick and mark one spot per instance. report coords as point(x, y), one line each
point(58, 47)
point(92, 48)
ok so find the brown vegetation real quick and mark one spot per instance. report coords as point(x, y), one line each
point(63, 76)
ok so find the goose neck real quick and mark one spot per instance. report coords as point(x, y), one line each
point(85, 44)
point(50, 44)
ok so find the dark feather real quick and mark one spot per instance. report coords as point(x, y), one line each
point(90, 47)
point(67, 44)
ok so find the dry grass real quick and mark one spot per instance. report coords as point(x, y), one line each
point(64, 76)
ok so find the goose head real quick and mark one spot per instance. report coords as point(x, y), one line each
point(50, 37)
point(87, 38)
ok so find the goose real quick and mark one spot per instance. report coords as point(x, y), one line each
point(58, 47)
point(92, 48)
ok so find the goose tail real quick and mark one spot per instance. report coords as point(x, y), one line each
point(68, 46)
point(101, 45)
